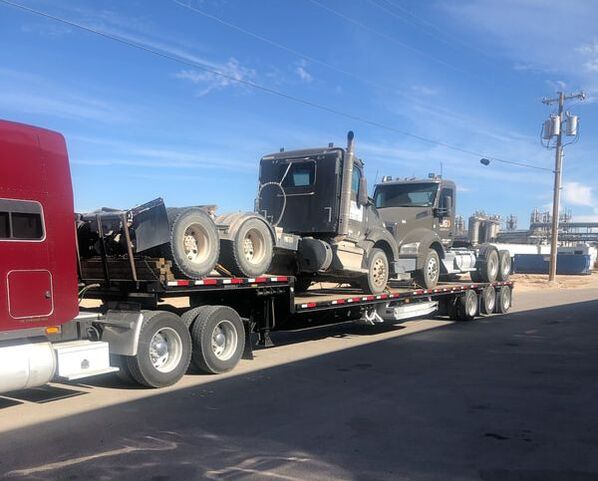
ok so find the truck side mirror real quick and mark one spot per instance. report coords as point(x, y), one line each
point(362, 195)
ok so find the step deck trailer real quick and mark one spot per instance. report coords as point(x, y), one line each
point(215, 331)
point(224, 312)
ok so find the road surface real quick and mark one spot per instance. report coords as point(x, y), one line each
point(508, 398)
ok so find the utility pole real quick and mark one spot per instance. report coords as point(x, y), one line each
point(555, 124)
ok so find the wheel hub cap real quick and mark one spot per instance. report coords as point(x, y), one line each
point(379, 272)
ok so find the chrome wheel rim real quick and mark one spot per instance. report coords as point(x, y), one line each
point(432, 268)
point(166, 349)
point(196, 243)
point(254, 246)
point(379, 272)
point(224, 340)
point(492, 267)
point(489, 300)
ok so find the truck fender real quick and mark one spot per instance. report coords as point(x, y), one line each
point(384, 237)
point(424, 239)
point(120, 329)
point(228, 224)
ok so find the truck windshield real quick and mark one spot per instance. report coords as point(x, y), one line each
point(406, 195)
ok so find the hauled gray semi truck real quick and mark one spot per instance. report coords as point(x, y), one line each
point(420, 213)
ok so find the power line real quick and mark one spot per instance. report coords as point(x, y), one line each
point(440, 34)
point(305, 56)
point(436, 28)
point(387, 37)
point(257, 86)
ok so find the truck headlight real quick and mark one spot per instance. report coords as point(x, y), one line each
point(410, 249)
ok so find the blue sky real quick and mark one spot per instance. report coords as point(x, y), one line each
point(470, 73)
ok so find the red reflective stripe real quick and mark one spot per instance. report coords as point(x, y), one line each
point(210, 282)
point(281, 279)
point(183, 283)
point(236, 280)
point(311, 304)
point(261, 279)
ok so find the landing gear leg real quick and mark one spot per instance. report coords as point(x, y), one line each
point(266, 324)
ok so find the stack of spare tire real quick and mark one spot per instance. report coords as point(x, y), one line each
point(244, 247)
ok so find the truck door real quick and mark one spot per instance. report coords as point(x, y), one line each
point(28, 278)
point(446, 227)
point(357, 213)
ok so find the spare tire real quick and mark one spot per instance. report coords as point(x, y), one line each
point(487, 264)
point(194, 245)
point(504, 265)
point(250, 252)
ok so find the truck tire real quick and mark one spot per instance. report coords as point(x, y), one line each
point(488, 300)
point(487, 265)
point(194, 245)
point(302, 284)
point(123, 373)
point(504, 300)
point(428, 276)
point(467, 306)
point(374, 282)
point(504, 265)
point(164, 350)
point(218, 339)
point(249, 253)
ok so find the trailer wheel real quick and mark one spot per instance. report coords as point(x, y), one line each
point(467, 306)
point(218, 339)
point(250, 252)
point(488, 300)
point(429, 275)
point(164, 350)
point(194, 244)
point(374, 282)
point(504, 299)
point(487, 265)
point(505, 265)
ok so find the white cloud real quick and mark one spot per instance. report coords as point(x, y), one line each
point(538, 35)
point(424, 90)
point(234, 74)
point(304, 74)
point(575, 193)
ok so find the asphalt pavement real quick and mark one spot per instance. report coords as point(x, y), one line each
point(506, 398)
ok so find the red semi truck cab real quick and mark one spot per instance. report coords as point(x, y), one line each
point(38, 264)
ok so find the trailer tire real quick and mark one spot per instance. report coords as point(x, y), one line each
point(375, 281)
point(428, 276)
point(250, 252)
point(488, 300)
point(504, 299)
point(487, 265)
point(163, 352)
point(467, 306)
point(504, 265)
point(194, 245)
point(218, 337)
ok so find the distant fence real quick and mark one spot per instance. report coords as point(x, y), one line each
point(567, 264)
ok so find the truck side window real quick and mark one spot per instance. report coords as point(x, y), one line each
point(21, 220)
point(26, 226)
point(446, 192)
point(355, 181)
point(301, 174)
point(4, 226)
